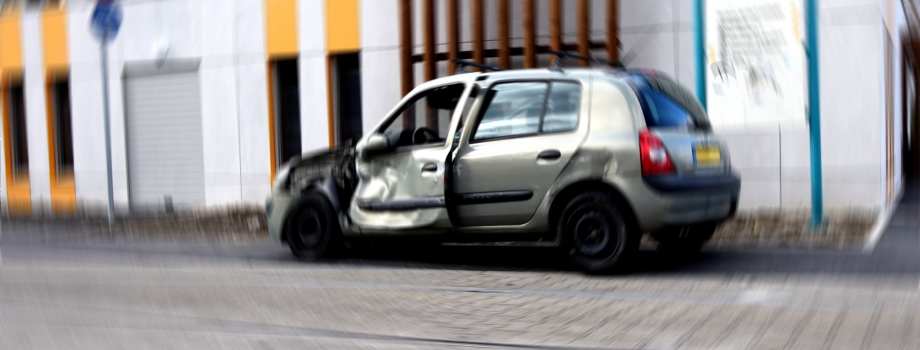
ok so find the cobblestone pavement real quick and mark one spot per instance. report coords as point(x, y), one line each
point(256, 296)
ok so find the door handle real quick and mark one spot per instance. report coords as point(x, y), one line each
point(549, 154)
point(430, 167)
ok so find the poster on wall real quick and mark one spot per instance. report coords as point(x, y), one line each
point(756, 62)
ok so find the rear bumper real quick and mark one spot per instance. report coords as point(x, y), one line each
point(692, 200)
point(677, 183)
point(694, 208)
point(669, 201)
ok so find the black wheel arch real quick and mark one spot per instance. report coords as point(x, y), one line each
point(563, 197)
point(326, 188)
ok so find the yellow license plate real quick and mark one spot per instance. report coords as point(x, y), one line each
point(707, 155)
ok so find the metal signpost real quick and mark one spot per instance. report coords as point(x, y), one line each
point(104, 24)
point(814, 115)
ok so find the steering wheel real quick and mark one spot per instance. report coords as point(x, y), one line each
point(424, 135)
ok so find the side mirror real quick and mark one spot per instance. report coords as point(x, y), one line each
point(377, 143)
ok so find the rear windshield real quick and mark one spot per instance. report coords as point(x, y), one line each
point(666, 104)
point(661, 111)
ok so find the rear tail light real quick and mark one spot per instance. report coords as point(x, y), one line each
point(654, 157)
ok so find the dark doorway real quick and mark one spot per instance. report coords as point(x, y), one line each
point(63, 134)
point(908, 123)
point(347, 85)
point(287, 115)
point(19, 149)
point(910, 142)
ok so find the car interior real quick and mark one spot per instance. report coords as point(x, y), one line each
point(425, 119)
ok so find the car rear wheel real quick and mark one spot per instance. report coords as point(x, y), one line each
point(595, 234)
point(686, 240)
point(313, 231)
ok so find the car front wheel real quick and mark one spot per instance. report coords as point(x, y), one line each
point(595, 234)
point(312, 231)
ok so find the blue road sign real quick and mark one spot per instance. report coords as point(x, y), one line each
point(107, 16)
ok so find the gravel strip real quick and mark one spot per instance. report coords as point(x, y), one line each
point(845, 230)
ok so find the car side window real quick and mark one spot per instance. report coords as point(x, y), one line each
point(562, 107)
point(512, 109)
point(424, 120)
point(528, 108)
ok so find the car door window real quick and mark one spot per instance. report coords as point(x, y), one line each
point(562, 107)
point(513, 109)
point(424, 120)
point(528, 108)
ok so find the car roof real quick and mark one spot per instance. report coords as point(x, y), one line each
point(532, 73)
point(538, 73)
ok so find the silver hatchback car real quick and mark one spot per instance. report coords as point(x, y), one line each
point(590, 158)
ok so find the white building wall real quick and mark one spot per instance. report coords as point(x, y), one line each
point(380, 78)
point(175, 23)
point(852, 105)
point(87, 114)
point(252, 87)
point(36, 121)
point(314, 115)
point(658, 34)
point(773, 158)
point(231, 62)
point(228, 39)
point(219, 95)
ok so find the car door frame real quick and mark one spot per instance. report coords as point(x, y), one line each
point(476, 114)
point(388, 215)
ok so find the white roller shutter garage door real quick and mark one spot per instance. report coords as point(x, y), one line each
point(164, 140)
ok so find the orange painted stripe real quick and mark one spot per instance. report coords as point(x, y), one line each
point(329, 102)
point(54, 38)
point(342, 34)
point(280, 43)
point(19, 198)
point(10, 42)
point(270, 78)
point(49, 120)
point(281, 28)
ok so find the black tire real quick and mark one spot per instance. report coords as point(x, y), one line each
point(684, 241)
point(595, 233)
point(313, 230)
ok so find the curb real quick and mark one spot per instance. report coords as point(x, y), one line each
point(882, 223)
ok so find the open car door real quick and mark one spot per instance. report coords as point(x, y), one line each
point(400, 164)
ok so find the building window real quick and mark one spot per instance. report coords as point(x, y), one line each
point(19, 151)
point(347, 98)
point(63, 131)
point(53, 3)
point(287, 110)
point(10, 6)
point(16, 5)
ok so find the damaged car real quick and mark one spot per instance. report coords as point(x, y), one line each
point(589, 158)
